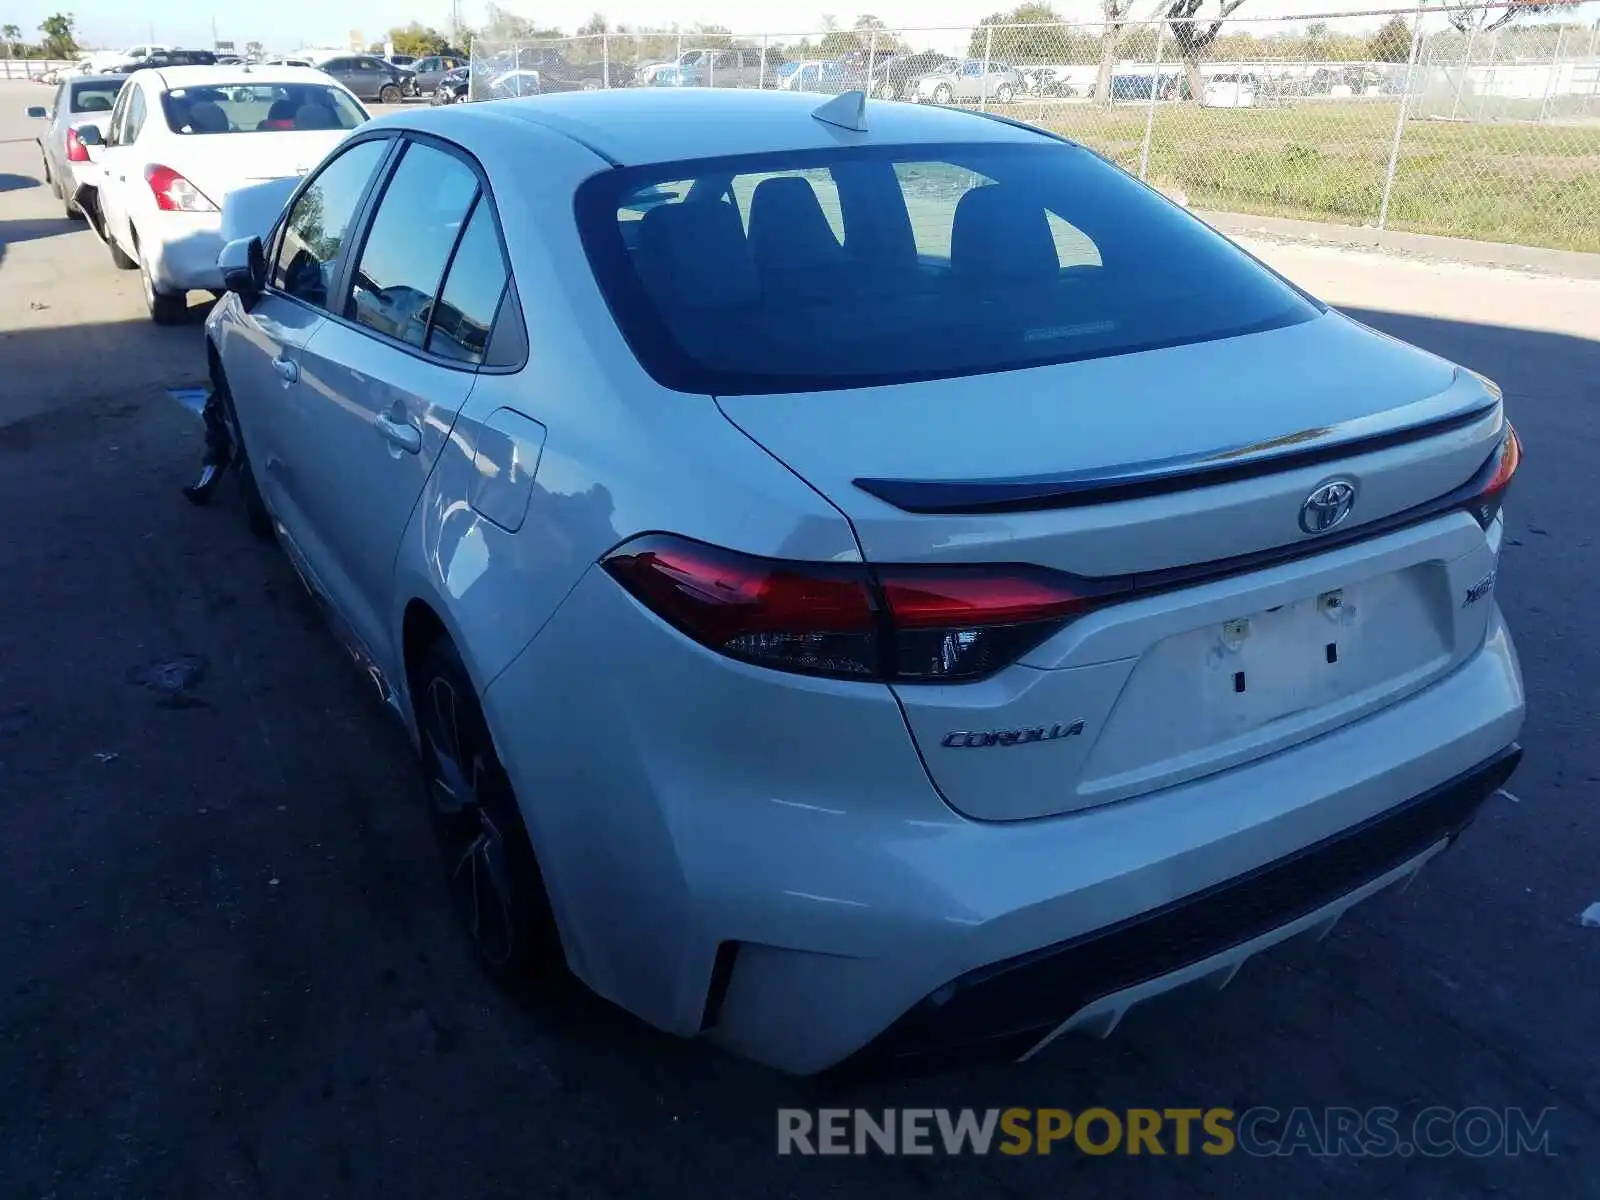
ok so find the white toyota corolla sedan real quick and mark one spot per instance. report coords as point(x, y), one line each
point(865, 582)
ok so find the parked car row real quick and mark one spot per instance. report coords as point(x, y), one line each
point(150, 158)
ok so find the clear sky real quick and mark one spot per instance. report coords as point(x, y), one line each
point(287, 24)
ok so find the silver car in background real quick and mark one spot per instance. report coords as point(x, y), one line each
point(969, 81)
point(79, 101)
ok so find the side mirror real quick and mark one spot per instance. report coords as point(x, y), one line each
point(244, 268)
point(38, 112)
point(89, 135)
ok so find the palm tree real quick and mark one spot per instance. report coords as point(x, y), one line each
point(11, 35)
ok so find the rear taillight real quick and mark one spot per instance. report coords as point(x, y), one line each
point(174, 193)
point(1490, 485)
point(76, 152)
point(890, 623)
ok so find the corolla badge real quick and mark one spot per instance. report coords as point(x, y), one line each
point(961, 739)
point(1327, 506)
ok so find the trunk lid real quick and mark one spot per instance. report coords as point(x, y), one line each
point(1189, 457)
point(218, 164)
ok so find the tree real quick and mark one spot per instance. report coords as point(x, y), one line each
point(12, 37)
point(1392, 41)
point(1029, 33)
point(594, 26)
point(58, 36)
point(254, 50)
point(1483, 18)
point(1194, 37)
point(418, 40)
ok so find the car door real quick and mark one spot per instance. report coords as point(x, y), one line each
point(375, 76)
point(262, 354)
point(384, 383)
point(121, 170)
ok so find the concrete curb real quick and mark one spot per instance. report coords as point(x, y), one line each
point(1570, 264)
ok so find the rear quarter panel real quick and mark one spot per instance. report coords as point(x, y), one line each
point(621, 456)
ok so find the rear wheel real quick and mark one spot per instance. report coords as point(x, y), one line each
point(494, 879)
point(390, 93)
point(122, 261)
point(887, 90)
point(1004, 94)
point(942, 94)
point(166, 308)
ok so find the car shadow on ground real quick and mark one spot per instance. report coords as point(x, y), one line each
point(17, 183)
point(30, 229)
point(224, 941)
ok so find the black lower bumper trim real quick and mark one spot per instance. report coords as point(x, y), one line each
point(1024, 997)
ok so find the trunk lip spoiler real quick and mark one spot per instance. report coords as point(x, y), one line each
point(1133, 481)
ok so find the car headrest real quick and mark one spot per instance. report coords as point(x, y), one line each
point(95, 102)
point(694, 254)
point(999, 231)
point(787, 226)
point(315, 116)
point(207, 117)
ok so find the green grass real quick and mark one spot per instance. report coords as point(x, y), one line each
point(1532, 184)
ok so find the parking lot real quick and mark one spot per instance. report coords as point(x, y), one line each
point(227, 966)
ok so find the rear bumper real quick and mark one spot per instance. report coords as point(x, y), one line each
point(1088, 982)
point(182, 250)
point(761, 859)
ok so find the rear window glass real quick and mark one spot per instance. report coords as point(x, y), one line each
point(859, 267)
point(98, 95)
point(259, 108)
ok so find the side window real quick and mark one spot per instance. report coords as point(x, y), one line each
point(308, 253)
point(466, 310)
point(136, 115)
point(372, 64)
point(336, 64)
point(972, 68)
point(119, 116)
point(418, 222)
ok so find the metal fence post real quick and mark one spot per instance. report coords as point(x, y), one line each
point(1555, 70)
point(983, 85)
point(1150, 109)
point(761, 79)
point(872, 55)
point(605, 59)
point(1488, 83)
point(1400, 121)
point(1466, 65)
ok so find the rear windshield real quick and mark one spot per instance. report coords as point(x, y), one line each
point(96, 95)
point(259, 107)
point(856, 267)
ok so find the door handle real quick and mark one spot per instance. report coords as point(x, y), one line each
point(288, 370)
point(401, 433)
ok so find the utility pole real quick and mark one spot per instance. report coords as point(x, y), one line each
point(213, 31)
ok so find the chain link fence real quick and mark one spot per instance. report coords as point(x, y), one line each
point(1463, 122)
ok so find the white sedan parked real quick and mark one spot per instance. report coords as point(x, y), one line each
point(845, 599)
point(178, 141)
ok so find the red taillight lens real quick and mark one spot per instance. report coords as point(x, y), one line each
point(174, 193)
point(76, 152)
point(894, 623)
point(1497, 474)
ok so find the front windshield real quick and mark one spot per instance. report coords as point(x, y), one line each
point(247, 107)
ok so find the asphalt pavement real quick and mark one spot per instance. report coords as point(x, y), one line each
point(226, 963)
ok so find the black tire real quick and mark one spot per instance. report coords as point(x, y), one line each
point(490, 868)
point(887, 90)
point(256, 517)
point(166, 308)
point(1004, 94)
point(942, 94)
point(390, 93)
point(120, 260)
